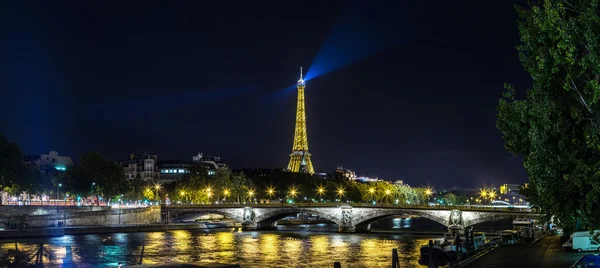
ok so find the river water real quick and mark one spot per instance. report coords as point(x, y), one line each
point(289, 246)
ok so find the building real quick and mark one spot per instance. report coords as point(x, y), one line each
point(211, 163)
point(346, 173)
point(143, 165)
point(175, 170)
point(50, 161)
point(509, 188)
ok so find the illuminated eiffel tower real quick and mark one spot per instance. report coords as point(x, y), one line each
point(300, 157)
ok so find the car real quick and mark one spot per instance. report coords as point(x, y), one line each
point(587, 261)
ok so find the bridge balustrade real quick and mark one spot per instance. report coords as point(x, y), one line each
point(407, 206)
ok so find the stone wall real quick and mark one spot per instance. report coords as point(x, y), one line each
point(40, 217)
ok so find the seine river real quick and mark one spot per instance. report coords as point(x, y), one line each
point(289, 246)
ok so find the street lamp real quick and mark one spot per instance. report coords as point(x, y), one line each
point(428, 192)
point(182, 194)
point(321, 191)
point(270, 192)
point(157, 187)
point(226, 193)
point(58, 192)
point(388, 192)
point(372, 192)
point(340, 192)
point(293, 192)
point(250, 195)
point(208, 193)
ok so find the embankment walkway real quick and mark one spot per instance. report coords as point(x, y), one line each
point(546, 252)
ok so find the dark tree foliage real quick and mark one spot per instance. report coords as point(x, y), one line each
point(108, 177)
point(556, 126)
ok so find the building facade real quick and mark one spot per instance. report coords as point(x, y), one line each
point(50, 161)
point(175, 170)
point(143, 165)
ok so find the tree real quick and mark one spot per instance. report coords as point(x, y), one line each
point(108, 177)
point(11, 163)
point(450, 199)
point(556, 127)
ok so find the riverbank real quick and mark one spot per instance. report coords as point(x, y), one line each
point(547, 252)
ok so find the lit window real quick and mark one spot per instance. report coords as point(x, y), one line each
point(181, 171)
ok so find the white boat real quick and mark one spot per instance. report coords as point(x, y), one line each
point(519, 221)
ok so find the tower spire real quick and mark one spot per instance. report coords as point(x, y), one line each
point(300, 157)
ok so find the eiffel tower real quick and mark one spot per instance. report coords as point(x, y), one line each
point(300, 157)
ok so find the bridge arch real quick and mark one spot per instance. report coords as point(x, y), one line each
point(272, 216)
point(234, 215)
point(493, 217)
point(371, 217)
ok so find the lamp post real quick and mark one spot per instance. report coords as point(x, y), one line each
point(340, 193)
point(182, 195)
point(372, 194)
point(58, 192)
point(251, 195)
point(293, 192)
point(92, 190)
point(157, 187)
point(226, 194)
point(321, 191)
point(271, 192)
point(208, 193)
point(388, 193)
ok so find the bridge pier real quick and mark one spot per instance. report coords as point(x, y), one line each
point(346, 229)
point(260, 226)
point(456, 230)
point(363, 228)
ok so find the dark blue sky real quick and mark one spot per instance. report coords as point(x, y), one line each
point(399, 90)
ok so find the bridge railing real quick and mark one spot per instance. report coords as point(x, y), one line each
point(407, 206)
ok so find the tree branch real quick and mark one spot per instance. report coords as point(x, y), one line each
point(582, 100)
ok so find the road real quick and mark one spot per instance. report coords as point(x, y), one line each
point(545, 253)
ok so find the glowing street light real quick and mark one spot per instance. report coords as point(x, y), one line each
point(321, 191)
point(157, 187)
point(371, 190)
point(226, 193)
point(340, 192)
point(428, 192)
point(492, 195)
point(483, 193)
point(293, 192)
point(271, 191)
point(250, 194)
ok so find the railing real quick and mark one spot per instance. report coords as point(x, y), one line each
point(363, 205)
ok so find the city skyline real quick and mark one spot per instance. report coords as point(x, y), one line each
point(170, 82)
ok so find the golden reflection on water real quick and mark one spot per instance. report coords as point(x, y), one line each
point(292, 249)
point(225, 247)
point(269, 247)
point(249, 249)
point(319, 245)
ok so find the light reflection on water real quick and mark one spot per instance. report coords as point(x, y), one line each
point(313, 246)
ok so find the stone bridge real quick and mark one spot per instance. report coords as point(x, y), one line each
point(355, 218)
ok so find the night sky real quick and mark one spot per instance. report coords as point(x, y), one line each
point(398, 89)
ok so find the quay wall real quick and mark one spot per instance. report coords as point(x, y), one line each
point(77, 216)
